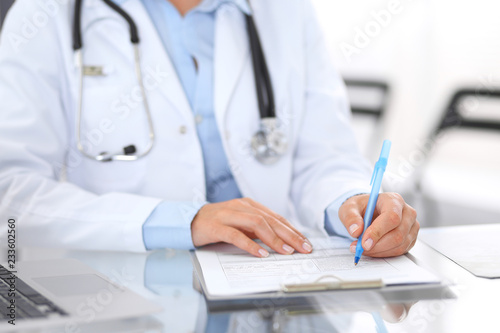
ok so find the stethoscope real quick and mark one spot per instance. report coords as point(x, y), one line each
point(268, 145)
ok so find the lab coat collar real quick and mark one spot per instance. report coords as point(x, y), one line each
point(211, 5)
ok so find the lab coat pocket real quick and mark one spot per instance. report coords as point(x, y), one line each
point(112, 107)
point(111, 121)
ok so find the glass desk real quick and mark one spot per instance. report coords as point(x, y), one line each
point(466, 304)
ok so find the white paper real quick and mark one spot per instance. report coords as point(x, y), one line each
point(476, 248)
point(228, 270)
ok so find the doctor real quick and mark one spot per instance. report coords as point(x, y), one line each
point(131, 125)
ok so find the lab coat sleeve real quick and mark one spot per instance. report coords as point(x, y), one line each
point(169, 226)
point(34, 140)
point(327, 163)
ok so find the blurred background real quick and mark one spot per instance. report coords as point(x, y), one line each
point(425, 74)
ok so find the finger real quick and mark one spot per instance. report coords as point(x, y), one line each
point(351, 214)
point(415, 236)
point(394, 313)
point(403, 248)
point(237, 238)
point(250, 234)
point(250, 220)
point(392, 240)
point(291, 237)
point(397, 236)
point(258, 224)
point(390, 208)
point(277, 216)
point(352, 247)
point(283, 228)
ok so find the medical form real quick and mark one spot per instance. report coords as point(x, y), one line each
point(228, 270)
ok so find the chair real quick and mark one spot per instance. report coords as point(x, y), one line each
point(454, 116)
point(368, 101)
point(459, 181)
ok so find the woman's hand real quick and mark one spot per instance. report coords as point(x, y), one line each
point(394, 228)
point(239, 221)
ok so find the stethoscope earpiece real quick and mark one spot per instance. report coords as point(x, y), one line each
point(126, 151)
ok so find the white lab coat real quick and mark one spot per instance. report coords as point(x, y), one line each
point(104, 205)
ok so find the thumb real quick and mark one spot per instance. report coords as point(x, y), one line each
point(350, 215)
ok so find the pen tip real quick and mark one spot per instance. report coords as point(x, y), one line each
point(355, 264)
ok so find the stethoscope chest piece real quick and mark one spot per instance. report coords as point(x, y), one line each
point(269, 144)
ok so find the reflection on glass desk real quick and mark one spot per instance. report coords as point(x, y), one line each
point(465, 303)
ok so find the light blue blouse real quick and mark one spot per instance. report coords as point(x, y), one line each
point(189, 41)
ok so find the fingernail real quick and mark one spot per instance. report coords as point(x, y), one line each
point(368, 244)
point(352, 248)
point(353, 228)
point(287, 248)
point(263, 253)
point(306, 246)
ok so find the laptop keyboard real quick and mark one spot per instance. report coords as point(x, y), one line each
point(29, 303)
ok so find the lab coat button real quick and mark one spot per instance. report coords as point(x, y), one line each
point(198, 119)
point(183, 129)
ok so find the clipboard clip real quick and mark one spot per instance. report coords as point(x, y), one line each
point(339, 284)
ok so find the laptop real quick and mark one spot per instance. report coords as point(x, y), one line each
point(64, 293)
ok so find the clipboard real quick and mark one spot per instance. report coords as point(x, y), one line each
point(337, 284)
point(320, 284)
point(329, 293)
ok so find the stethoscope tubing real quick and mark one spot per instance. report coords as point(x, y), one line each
point(78, 46)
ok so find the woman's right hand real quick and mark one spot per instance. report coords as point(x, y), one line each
point(239, 221)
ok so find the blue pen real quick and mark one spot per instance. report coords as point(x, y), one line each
point(376, 182)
